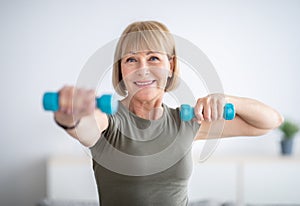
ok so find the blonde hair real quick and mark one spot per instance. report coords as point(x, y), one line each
point(141, 36)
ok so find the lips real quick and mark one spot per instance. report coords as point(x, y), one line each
point(144, 83)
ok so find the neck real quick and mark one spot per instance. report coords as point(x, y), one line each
point(151, 110)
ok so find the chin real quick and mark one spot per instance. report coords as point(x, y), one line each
point(148, 94)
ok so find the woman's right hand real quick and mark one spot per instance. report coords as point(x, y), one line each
point(74, 103)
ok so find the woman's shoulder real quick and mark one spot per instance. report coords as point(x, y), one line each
point(174, 112)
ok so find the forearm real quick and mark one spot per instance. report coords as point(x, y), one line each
point(89, 129)
point(256, 113)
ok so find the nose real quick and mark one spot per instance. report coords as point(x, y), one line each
point(143, 71)
point(143, 68)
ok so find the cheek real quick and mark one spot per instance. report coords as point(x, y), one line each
point(161, 73)
point(126, 73)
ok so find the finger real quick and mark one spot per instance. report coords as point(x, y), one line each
point(89, 102)
point(196, 120)
point(69, 100)
point(220, 107)
point(207, 112)
point(198, 110)
point(78, 100)
point(214, 110)
point(63, 99)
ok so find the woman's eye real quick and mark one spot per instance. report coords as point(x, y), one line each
point(130, 59)
point(153, 58)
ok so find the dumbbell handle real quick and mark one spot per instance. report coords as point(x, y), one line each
point(187, 112)
point(106, 103)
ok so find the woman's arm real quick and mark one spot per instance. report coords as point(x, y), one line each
point(253, 118)
point(78, 105)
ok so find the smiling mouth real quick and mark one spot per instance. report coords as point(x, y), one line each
point(144, 83)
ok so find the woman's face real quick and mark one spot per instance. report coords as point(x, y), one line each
point(145, 74)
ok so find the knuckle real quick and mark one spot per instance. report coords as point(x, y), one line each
point(198, 115)
point(91, 95)
point(199, 101)
point(207, 99)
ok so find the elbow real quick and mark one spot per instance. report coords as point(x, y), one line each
point(278, 121)
point(272, 121)
point(281, 120)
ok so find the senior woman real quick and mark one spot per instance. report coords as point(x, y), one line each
point(145, 68)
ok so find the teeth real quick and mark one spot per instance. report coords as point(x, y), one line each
point(144, 83)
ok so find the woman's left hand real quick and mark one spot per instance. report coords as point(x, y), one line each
point(252, 118)
point(210, 108)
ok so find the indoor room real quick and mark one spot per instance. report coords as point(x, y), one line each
point(236, 51)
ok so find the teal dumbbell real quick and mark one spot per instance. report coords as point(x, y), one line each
point(187, 112)
point(106, 103)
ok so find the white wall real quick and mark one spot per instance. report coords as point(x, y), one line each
point(254, 46)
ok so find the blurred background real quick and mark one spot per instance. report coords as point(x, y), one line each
point(253, 45)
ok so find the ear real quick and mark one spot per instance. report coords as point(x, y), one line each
point(172, 65)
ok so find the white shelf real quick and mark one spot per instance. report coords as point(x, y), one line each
point(239, 179)
point(248, 179)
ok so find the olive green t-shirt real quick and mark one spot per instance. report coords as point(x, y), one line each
point(139, 162)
